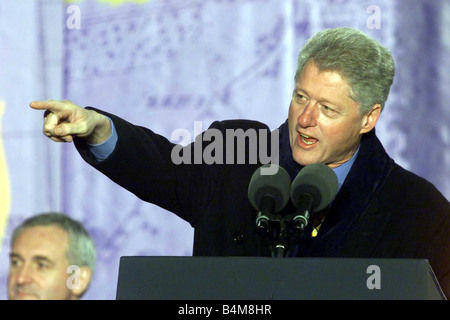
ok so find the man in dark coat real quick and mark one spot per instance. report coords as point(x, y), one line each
point(342, 81)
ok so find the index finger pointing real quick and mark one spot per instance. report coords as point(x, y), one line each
point(50, 105)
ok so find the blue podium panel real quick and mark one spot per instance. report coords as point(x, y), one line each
point(260, 278)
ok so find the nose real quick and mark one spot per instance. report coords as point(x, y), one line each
point(23, 274)
point(308, 117)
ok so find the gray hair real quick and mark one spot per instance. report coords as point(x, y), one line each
point(367, 66)
point(81, 250)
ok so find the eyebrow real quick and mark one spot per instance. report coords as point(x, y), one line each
point(34, 258)
point(321, 99)
point(15, 255)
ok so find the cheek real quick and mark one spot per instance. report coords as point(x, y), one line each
point(57, 288)
point(340, 136)
point(295, 111)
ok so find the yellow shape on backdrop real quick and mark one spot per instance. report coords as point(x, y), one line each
point(5, 193)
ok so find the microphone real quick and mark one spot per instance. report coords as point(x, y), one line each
point(268, 193)
point(314, 187)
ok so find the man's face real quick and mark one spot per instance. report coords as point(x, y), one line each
point(325, 124)
point(38, 265)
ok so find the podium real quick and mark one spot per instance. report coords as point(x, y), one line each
point(261, 278)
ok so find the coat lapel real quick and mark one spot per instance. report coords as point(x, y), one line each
point(353, 213)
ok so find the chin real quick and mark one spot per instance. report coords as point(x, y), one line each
point(304, 159)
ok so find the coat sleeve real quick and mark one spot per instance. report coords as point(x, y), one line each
point(142, 163)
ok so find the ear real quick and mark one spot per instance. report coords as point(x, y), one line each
point(85, 275)
point(370, 119)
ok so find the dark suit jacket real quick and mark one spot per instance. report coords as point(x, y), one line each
point(381, 210)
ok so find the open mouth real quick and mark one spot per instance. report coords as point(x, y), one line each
point(308, 140)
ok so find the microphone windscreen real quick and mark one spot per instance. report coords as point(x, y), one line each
point(276, 185)
point(317, 179)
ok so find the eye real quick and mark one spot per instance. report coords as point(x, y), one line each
point(300, 96)
point(14, 262)
point(328, 109)
point(42, 265)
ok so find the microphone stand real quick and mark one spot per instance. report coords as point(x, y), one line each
point(279, 230)
point(281, 242)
